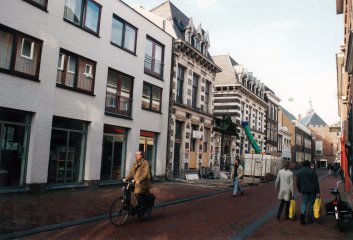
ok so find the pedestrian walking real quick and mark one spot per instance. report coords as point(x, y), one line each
point(237, 176)
point(284, 184)
point(141, 174)
point(308, 186)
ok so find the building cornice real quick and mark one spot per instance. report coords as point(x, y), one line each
point(187, 49)
point(244, 91)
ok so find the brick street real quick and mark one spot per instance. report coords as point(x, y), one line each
point(218, 216)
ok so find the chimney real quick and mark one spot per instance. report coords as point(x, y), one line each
point(299, 117)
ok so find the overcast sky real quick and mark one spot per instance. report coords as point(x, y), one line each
point(289, 45)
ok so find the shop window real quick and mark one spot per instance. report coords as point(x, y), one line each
point(154, 54)
point(25, 60)
point(14, 137)
point(151, 97)
point(123, 34)
point(84, 14)
point(75, 72)
point(113, 153)
point(119, 93)
point(67, 148)
point(42, 4)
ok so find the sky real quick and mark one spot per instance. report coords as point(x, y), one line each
point(289, 45)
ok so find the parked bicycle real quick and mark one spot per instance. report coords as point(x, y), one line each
point(338, 208)
point(122, 207)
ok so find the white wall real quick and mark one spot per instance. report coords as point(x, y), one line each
point(46, 100)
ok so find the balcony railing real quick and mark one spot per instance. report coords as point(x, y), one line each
point(153, 66)
point(118, 105)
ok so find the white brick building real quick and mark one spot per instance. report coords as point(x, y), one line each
point(80, 92)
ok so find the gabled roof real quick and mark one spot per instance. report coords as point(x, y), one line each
point(289, 115)
point(180, 22)
point(312, 119)
point(169, 11)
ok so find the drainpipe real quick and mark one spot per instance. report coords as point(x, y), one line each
point(169, 170)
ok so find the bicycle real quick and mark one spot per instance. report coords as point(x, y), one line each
point(339, 208)
point(122, 208)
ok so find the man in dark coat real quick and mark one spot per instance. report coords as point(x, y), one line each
point(308, 186)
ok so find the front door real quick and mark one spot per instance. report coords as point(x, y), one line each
point(12, 154)
point(176, 164)
point(112, 157)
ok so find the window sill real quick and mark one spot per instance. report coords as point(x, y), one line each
point(82, 28)
point(20, 74)
point(41, 7)
point(154, 75)
point(150, 110)
point(124, 49)
point(75, 90)
point(118, 115)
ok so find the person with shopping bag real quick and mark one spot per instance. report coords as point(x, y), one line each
point(308, 186)
point(317, 208)
point(284, 184)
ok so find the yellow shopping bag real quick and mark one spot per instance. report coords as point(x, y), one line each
point(292, 209)
point(317, 208)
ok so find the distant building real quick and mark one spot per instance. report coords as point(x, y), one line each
point(325, 138)
point(301, 146)
point(272, 122)
point(284, 136)
point(240, 97)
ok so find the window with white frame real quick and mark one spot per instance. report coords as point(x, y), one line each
point(27, 48)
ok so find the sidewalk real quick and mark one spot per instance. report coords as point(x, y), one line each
point(23, 211)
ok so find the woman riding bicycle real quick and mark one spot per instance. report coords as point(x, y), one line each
point(141, 174)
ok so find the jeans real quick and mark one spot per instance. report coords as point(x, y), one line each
point(236, 186)
point(308, 199)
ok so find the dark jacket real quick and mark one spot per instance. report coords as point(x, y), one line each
point(140, 171)
point(307, 181)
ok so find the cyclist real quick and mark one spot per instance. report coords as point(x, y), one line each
point(141, 174)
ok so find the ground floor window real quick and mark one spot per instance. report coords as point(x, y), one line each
point(67, 149)
point(148, 144)
point(113, 154)
point(14, 137)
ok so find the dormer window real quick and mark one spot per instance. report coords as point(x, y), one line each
point(193, 41)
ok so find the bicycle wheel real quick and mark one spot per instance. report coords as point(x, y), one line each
point(119, 212)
